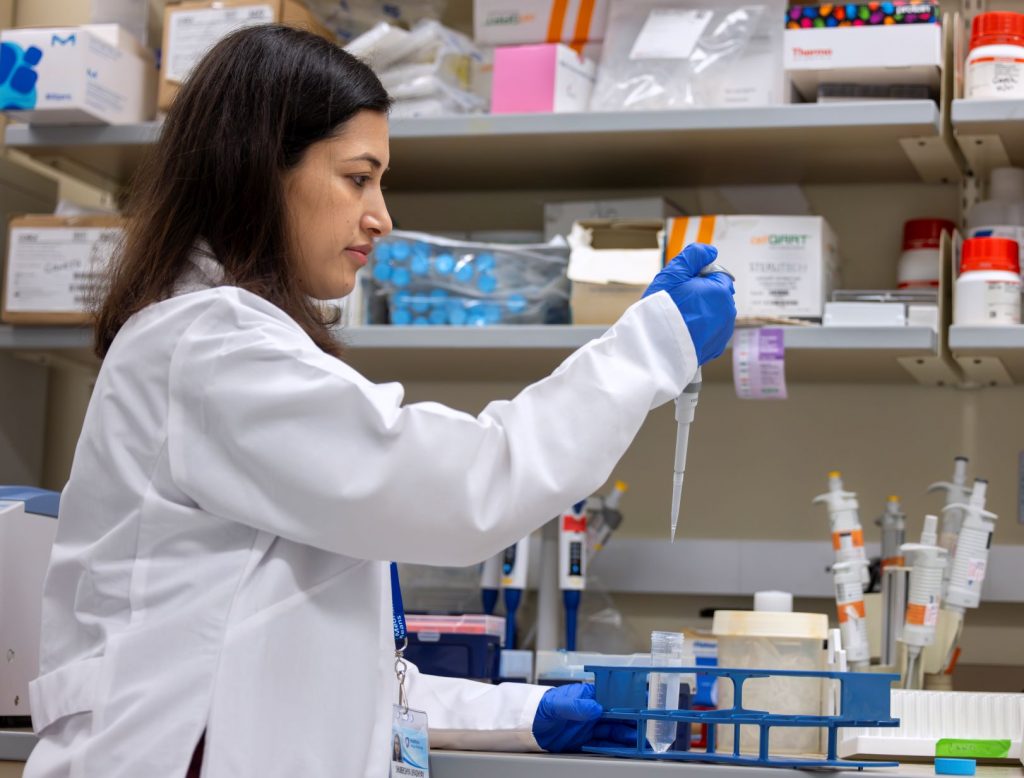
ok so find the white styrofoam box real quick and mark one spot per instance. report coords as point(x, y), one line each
point(505, 22)
point(855, 314)
point(923, 316)
point(886, 54)
point(93, 74)
point(927, 717)
point(560, 216)
point(783, 265)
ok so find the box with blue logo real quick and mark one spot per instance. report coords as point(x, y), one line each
point(93, 74)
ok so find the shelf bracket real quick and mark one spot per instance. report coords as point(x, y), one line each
point(932, 158)
point(936, 370)
point(983, 371)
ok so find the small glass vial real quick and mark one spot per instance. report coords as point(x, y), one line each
point(663, 688)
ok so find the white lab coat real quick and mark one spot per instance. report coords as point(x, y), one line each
point(221, 557)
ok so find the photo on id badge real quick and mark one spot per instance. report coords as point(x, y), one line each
point(410, 750)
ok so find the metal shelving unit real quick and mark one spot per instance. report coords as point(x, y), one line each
point(811, 143)
point(989, 356)
point(814, 354)
point(990, 133)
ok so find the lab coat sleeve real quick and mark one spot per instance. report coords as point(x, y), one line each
point(473, 716)
point(267, 430)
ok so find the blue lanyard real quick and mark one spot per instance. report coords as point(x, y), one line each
point(397, 609)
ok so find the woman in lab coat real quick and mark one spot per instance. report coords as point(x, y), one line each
point(218, 594)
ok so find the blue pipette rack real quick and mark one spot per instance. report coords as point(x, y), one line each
point(864, 702)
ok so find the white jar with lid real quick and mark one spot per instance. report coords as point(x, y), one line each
point(772, 641)
point(995, 64)
point(920, 264)
point(987, 292)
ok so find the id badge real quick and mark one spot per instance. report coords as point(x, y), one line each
point(410, 747)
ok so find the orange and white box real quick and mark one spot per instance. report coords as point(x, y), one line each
point(511, 22)
point(784, 265)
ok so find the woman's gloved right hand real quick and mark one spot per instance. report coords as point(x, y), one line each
point(705, 302)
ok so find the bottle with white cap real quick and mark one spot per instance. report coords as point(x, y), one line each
point(1002, 215)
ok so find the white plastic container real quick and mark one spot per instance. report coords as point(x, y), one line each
point(1002, 215)
point(995, 64)
point(919, 264)
point(772, 641)
point(988, 290)
point(929, 716)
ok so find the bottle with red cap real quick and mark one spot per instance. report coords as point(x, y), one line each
point(995, 64)
point(988, 289)
point(919, 265)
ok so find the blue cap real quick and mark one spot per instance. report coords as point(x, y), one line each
point(444, 264)
point(457, 313)
point(438, 315)
point(382, 251)
point(420, 265)
point(464, 272)
point(400, 250)
point(400, 276)
point(382, 271)
point(946, 766)
point(487, 283)
point(485, 262)
point(419, 303)
point(420, 249)
point(401, 316)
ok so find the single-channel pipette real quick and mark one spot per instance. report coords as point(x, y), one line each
point(686, 404)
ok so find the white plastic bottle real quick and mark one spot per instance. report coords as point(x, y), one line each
point(919, 265)
point(995, 64)
point(1002, 214)
point(988, 289)
point(663, 688)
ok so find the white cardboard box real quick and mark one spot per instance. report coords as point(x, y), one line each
point(53, 265)
point(611, 263)
point(510, 22)
point(784, 265)
point(902, 54)
point(93, 74)
point(559, 217)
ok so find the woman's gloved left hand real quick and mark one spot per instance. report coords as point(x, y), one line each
point(568, 718)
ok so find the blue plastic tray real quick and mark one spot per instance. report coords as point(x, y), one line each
point(864, 702)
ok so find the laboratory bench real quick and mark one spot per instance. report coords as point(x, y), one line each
point(16, 746)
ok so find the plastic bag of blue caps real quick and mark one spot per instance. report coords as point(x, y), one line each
point(430, 280)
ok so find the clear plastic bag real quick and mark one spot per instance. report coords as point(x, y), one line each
point(666, 54)
point(429, 280)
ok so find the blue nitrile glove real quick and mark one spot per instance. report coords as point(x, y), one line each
point(706, 302)
point(568, 718)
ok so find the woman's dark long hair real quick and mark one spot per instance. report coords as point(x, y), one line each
point(248, 112)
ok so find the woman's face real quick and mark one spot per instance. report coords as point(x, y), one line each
point(336, 207)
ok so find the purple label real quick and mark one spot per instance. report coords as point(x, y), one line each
point(759, 364)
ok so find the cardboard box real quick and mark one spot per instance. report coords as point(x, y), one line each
point(547, 78)
point(53, 263)
point(192, 28)
point(611, 263)
point(93, 74)
point(903, 54)
point(511, 22)
point(560, 216)
point(784, 265)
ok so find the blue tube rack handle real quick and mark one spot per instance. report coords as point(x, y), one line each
point(864, 702)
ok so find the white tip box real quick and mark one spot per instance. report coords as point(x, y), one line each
point(93, 74)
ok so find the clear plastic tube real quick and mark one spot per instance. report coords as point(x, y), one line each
point(663, 688)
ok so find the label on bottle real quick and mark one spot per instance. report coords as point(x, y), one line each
point(1002, 302)
point(995, 77)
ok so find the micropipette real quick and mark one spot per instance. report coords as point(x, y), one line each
point(686, 405)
